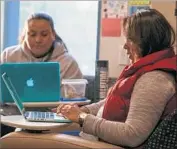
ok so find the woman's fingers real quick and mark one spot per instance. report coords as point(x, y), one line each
point(59, 108)
point(64, 108)
point(54, 110)
point(71, 112)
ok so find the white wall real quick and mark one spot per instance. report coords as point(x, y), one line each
point(109, 46)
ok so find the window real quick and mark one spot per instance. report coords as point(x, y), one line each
point(2, 23)
point(76, 22)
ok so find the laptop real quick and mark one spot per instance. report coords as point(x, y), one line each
point(35, 82)
point(35, 116)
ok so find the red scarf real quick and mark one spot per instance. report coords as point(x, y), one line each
point(118, 99)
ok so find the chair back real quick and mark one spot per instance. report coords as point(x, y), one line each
point(165, 135)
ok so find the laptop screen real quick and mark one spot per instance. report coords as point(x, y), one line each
point(13, 92)
point(41, 79)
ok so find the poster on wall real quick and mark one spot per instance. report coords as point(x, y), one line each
point(113, 12)
point(134, 9)
point(114, 9)
point(111, 27)
point(139, 2)
point(137, 5)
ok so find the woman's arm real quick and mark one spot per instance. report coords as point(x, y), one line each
point(94, 107)
point(149, 98)
point(70, 68)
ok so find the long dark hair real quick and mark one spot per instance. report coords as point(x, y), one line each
point(150, 31)
point(44, 16)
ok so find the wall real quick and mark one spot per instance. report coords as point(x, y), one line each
point(1, 25)
point(109, 46)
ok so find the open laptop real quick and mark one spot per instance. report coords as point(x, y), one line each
point(35, 82)
point(31, 115)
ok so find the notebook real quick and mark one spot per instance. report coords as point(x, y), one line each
point(35, 82)
point(31, 115)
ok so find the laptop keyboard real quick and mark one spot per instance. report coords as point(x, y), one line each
point(36, 115)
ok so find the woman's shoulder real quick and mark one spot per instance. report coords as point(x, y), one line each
point(61, 54)
point(158, 75)
point(12, 49)
point(163, 79)
point(10, 53)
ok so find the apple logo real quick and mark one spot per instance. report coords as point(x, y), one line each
point(30, 82)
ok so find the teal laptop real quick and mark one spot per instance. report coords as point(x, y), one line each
point(31, 115)
point(34, 82)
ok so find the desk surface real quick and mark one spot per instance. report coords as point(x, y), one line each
point(18, 121)
point(51, 104)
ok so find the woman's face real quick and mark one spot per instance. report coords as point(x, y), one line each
point(39, 36)
point(132, 49)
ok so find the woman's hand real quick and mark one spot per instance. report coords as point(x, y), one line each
point(70, 111)
point(57, 109)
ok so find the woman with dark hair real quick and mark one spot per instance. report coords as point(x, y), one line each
point(39, 42)
point(143, 95)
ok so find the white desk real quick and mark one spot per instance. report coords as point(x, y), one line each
point(18, 121)
point(54, 104)
point(51, 104)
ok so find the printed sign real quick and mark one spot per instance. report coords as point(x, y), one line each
point(139, 2)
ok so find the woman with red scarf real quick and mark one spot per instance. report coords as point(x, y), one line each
point(143, 94)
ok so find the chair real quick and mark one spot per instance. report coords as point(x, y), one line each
point(23, 139)
point(165, 135)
